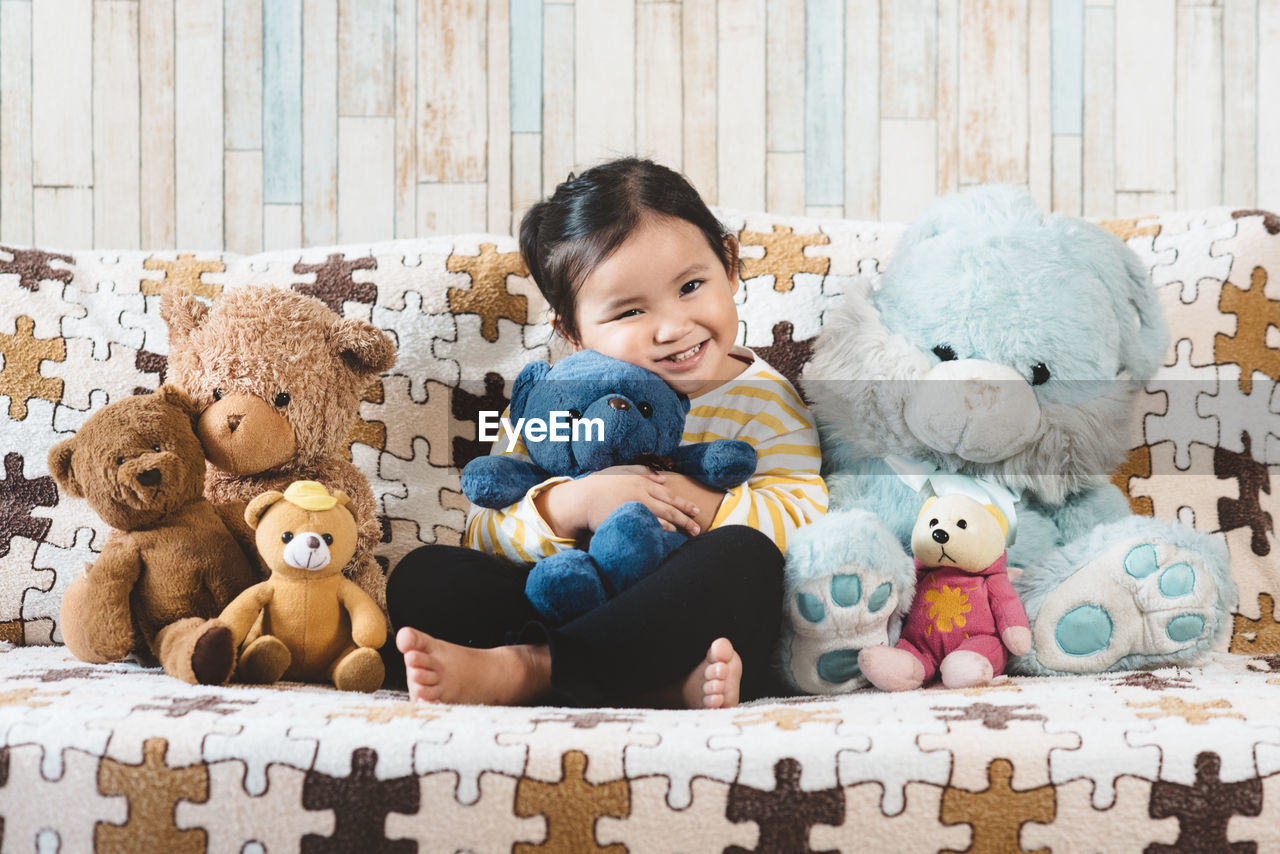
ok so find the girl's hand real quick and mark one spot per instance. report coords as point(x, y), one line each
point(579, 506)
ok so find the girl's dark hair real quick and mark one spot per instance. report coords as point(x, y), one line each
point(564, 237)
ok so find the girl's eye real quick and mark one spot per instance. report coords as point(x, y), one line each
point(287, 536)
point(646, 409)
point(328, 539)
point(944, 352)
point(1039, 373)
point(690, 287)
point(631, 312)
point(217, 394)
point(282, 399)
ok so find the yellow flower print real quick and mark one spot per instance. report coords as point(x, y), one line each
point(947, 607)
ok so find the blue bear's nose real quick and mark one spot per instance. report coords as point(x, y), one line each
point(619, 404)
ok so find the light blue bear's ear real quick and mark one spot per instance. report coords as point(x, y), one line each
point(530, 375)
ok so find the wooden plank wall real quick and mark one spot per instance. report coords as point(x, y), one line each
point(252, 124)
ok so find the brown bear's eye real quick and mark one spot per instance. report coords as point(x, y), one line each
point(119, 461)
point(328, 539)
point(155, 448)
point(282, 399)
point(217, 394)
point(286, 536)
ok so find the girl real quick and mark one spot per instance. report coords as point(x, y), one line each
point(635, 266)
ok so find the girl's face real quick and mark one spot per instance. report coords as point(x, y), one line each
point(663, 301)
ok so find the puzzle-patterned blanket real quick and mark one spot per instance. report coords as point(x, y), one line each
point(120, 757)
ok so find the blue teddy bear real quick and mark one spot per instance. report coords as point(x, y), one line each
point(587, 413)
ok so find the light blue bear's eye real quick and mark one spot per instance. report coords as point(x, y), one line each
point(1039, 373)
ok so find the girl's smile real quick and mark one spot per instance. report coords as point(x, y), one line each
point(664, 301)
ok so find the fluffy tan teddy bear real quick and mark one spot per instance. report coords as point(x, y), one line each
point(277, 377)
point(316, 625)
point(171, 565)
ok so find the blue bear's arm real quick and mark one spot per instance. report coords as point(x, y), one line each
point(497, 482)
point(719, 464)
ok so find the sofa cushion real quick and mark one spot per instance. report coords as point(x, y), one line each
point(79, 329)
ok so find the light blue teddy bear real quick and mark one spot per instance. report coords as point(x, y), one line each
point(999, 355)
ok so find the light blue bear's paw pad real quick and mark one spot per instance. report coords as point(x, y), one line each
point(833, 617)
point(1136, 598)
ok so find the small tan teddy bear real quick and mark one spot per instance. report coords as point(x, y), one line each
point(316, 624)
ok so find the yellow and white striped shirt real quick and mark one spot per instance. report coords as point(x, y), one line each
point(759, 407)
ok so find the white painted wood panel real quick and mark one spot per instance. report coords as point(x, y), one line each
point(604, 80)
point(242, 84)
point(63, 217)
point(785, 182)
point(499, 167)
point(366, 179)
point(908, 59)
point(1131, 204)
point(526, 174)
point(994, 91)
point(1098, 167)
point(366, 57)
point(1268, 180)
point(244, 227)
point(700, 64)
point(1200, 103)
point(406, 88)
point(1240, 101)
point(659, 111)
point(1145, 104)
point(319, 122)
point(1041, 144)
point(197, 86)
point(905, 187)
point(281, 226)
point(948, 96)
point(784, 88)
point(557, 95)
point(116, 142)
point(158, 168)
point(62, 93)
point(451, 208)
point(452, 110)
point(741, 140)
point(15, 122)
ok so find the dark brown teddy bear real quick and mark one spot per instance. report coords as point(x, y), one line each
point(170, 566)
point(277, 377)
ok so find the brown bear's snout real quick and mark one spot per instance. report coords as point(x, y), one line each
point(233, 421)
point(150, 477)
point(243, 434)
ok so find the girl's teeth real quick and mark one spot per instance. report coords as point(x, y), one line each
point(680, 357)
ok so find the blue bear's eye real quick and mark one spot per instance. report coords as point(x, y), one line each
point(1039, 374)
point(575, 414)
point(944, 352)
point(645, 409)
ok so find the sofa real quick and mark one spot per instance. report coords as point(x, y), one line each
point(120, 757)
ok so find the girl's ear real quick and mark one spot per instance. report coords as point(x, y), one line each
point(559, 329)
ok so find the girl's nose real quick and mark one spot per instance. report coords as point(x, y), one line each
point(672, 326)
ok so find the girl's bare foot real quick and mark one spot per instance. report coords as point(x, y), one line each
point(714, 683)
point(441, 672)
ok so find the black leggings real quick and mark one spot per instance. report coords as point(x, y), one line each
point(724, 583)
